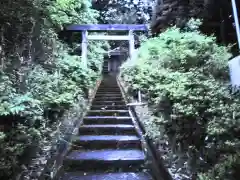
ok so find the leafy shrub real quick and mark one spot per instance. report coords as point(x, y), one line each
point(39, 79)
point(184, 75)
point(71, 12)
point(227, 168)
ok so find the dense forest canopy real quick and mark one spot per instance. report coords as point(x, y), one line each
point(43, 80)
point(217, 17)
point(124, 11)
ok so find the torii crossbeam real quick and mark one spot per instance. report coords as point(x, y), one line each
point(106, 27)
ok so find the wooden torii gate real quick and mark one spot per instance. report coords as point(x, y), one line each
point(106, 27)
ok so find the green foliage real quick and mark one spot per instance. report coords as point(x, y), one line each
point(184, 75)
point(124, 12)
point(7, 92)
point(39, 79)
point(227, 169)
point(64, 12)
point(186, 51)
point(26, 106)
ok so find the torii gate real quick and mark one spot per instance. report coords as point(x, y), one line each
point(107, 27)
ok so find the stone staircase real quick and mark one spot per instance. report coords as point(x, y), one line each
point(105, 66)
point(108, 146)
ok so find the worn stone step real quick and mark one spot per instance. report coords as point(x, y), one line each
point(107, 176)
point(109, 98)
point(106, 84)
point(107, 95)
point(109, 107)
point(113, 129)
point(108, 113)
point(108, 102)
point(108, 92)
point(98, 158)
point(109, 83)
point(114, 86)
point(107, 120)
point(106, 168)
point(107, 141)
point(110, 89)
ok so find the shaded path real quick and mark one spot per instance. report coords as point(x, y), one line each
point(108, 145)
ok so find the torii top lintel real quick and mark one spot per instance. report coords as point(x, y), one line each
point(108, 27)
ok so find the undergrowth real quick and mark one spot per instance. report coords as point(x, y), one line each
point(183, 75)
point(40, 77)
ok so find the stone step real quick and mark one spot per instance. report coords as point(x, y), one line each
point(113, 129)
point(109, 107)
point(108, 88)
point(107, 147)
point(108, 102)
point(107, 120)
point(108, 95)
point(108, 113)
point(107, 157)
point(108, 92)
point(106, 176)
point(108, 84)
point(109, 98)
point(112, 94)
point(107, 142)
